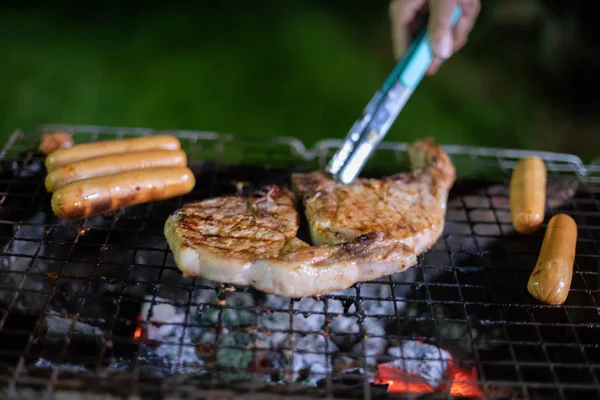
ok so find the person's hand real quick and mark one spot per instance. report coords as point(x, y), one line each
point(444, 40)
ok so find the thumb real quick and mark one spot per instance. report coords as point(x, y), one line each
point(439, 28)
point(401, 13)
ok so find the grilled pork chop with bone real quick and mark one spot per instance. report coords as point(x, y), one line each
point(361, 231)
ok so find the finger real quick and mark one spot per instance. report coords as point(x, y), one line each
point(435, 66)
point(470, 11)
point(439, 28)
point(402, 12)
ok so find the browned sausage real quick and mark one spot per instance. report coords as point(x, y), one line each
point(528, 194)
point(550, 280)
point(99, 149)
point(95, 196)
point(53, 141)
point(113, 164)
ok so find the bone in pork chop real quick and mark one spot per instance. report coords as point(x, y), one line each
point(362, 231)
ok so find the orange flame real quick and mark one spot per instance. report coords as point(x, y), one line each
point(464, 382)
point(398, 381)
point(138, 329)
point(138, 332)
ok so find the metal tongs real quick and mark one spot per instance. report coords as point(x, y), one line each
point(381, 112)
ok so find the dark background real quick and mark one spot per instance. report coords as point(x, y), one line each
point(528, 78)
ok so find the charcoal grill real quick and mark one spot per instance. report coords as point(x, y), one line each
point(98, 308)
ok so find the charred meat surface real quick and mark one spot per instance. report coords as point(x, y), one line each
point(362, 231)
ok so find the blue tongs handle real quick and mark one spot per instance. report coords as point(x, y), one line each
point(381, 112)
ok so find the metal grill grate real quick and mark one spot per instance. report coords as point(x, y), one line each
point(98, 306)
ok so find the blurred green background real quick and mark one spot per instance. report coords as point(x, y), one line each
point(526, 79)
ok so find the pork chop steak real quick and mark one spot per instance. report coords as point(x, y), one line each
point(409, 207)
point(362, 231)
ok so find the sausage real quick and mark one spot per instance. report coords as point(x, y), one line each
point(550, 280)
point(113, 164)
point(96, 196)
point(528, 194)
point(99, 149)
point(53, 141)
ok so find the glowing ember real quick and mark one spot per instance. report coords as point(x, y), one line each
point(400, 381)
point(464, 381)
point(138, 329)
point(138, 332)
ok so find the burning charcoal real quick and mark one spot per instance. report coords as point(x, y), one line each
point(233, 350)
point(78, 341)
point(335, 307)
point(235, 310)
point(343, 362)
point(184, 355)
point(160, 318)
point(174, 349)
point(373, 344)
point(311, 319)
point(208, 312)
point(373, 349)
point(344, 331)
point(385, 303)
point(309, 360)
point(422, 360)
point(59, 326)
point(61, 366)
point(276, 302)
point(207, 337)
point(167, 358)
point(205, 297)
point(275, 320)
point(237, 315)
point(270, 325)
point(378, 301)
point(349, 379)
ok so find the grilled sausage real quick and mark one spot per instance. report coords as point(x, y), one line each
point(99, 149)
point(528, 194)
point(550, 280)
point(113, 164)
point(95, 196)
point(53, 141)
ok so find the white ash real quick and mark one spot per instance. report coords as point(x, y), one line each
point(373, 344)
point(62, 366)
point(180, 357)
point(346, 362)
point(424, 360)
point(161, 318)
point(311, 357)
point(304, 351)
point(371, 341)
point(302, 348)
point(344, 330)
point(165, 324)
point(384, 302)
point(60, 325)
point(274, 324)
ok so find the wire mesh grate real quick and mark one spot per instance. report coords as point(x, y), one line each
point(98, 305)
